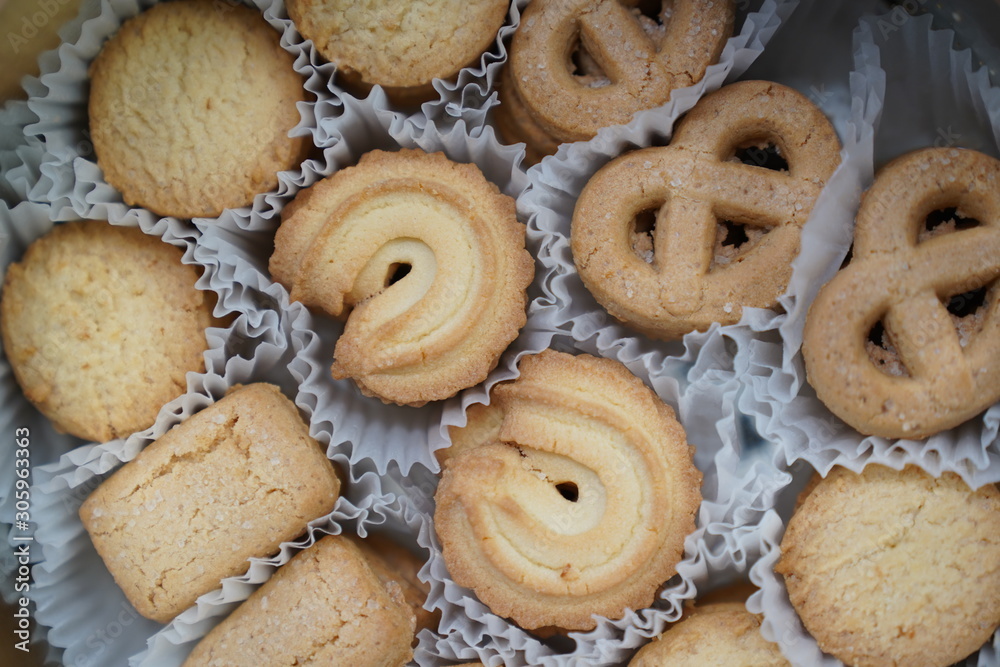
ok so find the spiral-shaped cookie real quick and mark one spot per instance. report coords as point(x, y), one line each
point(427, 258)
point(575, 503)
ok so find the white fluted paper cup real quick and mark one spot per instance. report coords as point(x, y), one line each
point(741, 476)
point(910, 88)
point(73, 178)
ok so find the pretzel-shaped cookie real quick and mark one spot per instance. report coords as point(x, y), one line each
point(693, 184)
point(897, 279)
point(344, 245)
point(576, 501)
point(644, 61)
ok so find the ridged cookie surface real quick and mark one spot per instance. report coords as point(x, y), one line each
point(426, 260)
point(579, 502)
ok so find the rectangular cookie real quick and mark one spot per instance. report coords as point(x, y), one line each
point(231, 482)
point(336, 603)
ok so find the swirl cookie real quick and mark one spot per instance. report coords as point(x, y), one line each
point(100, 325)
point(931, 369)
point(721, 633)
point(895, 567)
point(183, 139)
point(576, 503)
point(426, 260)
point(684, 273)
point(401, 46)
point(576, 66)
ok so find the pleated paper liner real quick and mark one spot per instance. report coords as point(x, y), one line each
point(74, 179)
point(340, 415)
point(385, 515)
point(740, 477)
point(910, 88)
point(19, 227)
point(20, 154)
point(74, 594)
point(729, 567)
point(469, 95)
point(781, 622)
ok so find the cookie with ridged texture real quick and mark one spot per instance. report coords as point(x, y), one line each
point(100, 325)
point(326, 606)
point(191, 104)
point(722, 634)
point(895, 567)
point(232, 481)
point(401, 46)
point(579, 505)
point(424, 258)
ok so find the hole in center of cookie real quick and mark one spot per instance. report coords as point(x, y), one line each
point(732, 240)
point(764, 155)
point(653, 16)
point(397, 271)
point(585, 68)
point(882, 352)
point(944, 221)
point(641, 236)
point(569, 491)
point(735, 233)
point(968, 312)
point(967, 303)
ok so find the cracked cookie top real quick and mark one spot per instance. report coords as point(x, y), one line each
point(336, 603)
point(894, 567)
point(100, 324)
point(719, 633)
point(398, 44)
point(191, 103)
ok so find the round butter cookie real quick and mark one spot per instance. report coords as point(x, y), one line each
point(191, 103)
point(895, 567)
point(100, 325)
point(576, 503)
point(425, 259)
point(400, 46)
point(723, 634)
